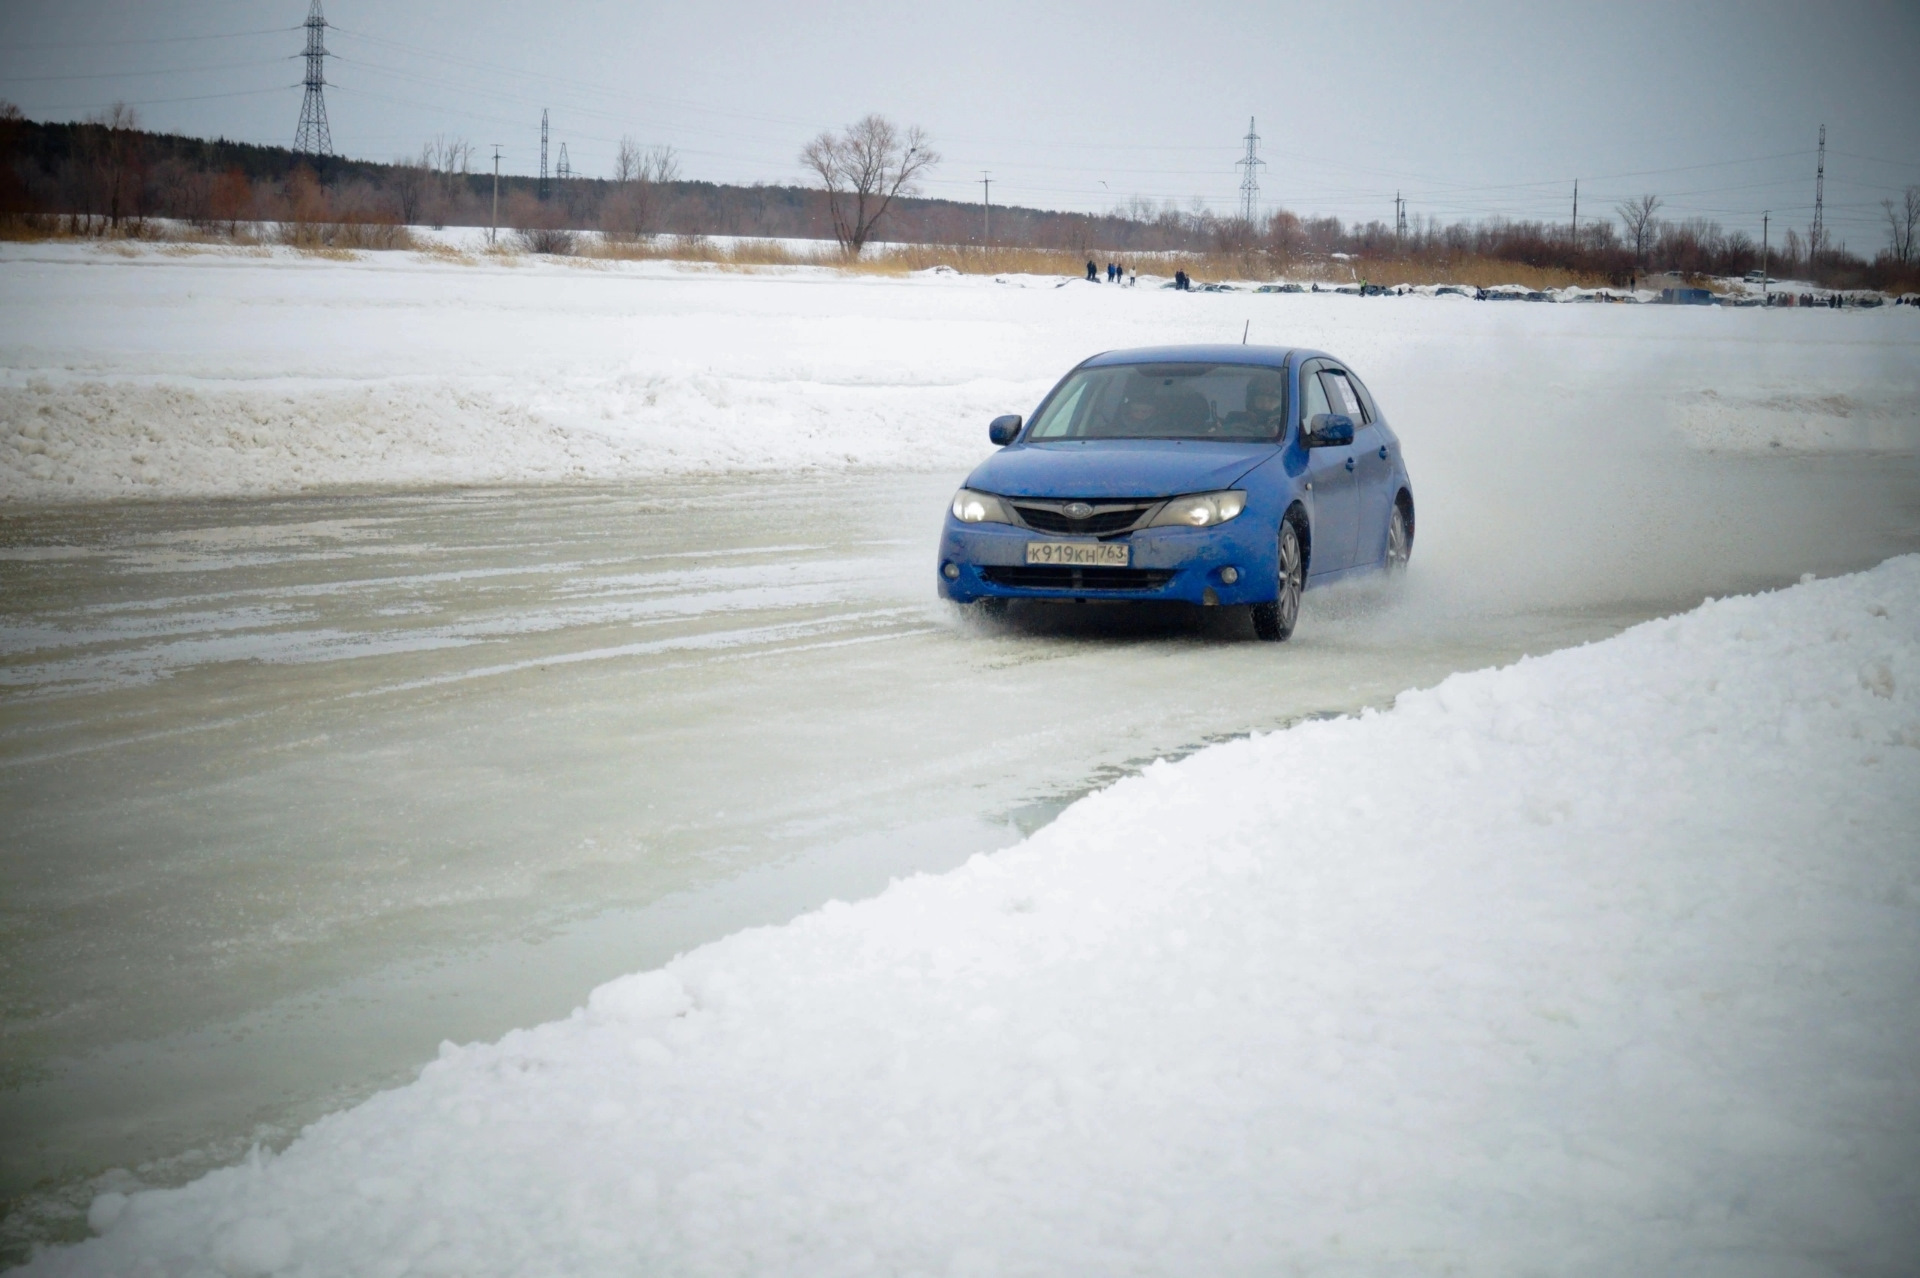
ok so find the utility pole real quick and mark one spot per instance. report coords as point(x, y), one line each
point(543, 153)
point(1250, 184)
point(313, 137)
point(1399, 219)
point(1819, 202)
point(493, 227)
point(986, 208)
point(1576, 215)
point(1766, 298)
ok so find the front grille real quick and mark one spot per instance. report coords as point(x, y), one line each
point(1105, 519)
point(1062, 577)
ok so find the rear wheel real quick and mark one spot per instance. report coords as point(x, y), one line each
point(1399, 541)
point(1274, 621)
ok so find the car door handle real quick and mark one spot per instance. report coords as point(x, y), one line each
point(1349, 463)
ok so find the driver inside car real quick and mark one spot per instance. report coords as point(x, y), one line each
point(1265, 395)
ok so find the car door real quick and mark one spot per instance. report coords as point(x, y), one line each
point(1330, 471)
point(1373, 467)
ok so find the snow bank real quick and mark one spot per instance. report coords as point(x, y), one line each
point(173, 372)
point(1601, 963)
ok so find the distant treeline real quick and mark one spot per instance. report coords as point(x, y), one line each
point(108, 175)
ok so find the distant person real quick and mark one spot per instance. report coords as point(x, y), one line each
point(1092, 272)
point(1133, 277)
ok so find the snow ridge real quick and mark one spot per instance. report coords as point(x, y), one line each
point(1600, 963)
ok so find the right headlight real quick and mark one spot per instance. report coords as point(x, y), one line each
point(1200, 510)
point(970, 507)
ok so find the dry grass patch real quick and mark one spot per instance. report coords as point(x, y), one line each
point(698, 248)
point(307, 236)
point(435, 251)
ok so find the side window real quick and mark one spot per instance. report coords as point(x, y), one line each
point(1345, 400)
point(1366, 399)
point(1313, 396)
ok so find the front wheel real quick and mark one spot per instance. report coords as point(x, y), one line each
point(1274, 621)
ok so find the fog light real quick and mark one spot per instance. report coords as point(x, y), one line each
point(1229, 575)
point(950, 571)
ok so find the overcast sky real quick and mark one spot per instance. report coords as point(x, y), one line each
point(1468, 110)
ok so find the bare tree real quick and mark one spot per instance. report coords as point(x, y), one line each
point(447, 157)
point(1638, 216)
point(409, 186)
point(1284, 236)
point(862, 170)
point(656, 164)
point(1903, 220)
point(442, 169)
point(628, 212)
point(112, 148)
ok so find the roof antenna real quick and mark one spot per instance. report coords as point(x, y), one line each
point(1245, 331)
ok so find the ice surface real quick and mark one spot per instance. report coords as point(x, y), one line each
point(1599, 963)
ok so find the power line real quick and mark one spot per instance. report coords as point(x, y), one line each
point(118, 75)
point(197, 97)
point(108, 44)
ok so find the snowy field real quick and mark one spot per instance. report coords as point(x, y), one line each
point(1600, 963)
point(186, 371)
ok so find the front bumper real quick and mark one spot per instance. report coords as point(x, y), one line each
point(1193, 556)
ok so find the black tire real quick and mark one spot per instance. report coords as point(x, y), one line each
point(1399, 541)
point(1274, 621)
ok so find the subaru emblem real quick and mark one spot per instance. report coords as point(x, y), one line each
point(1078, 510)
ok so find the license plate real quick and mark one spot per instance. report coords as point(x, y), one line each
point(1078, 554)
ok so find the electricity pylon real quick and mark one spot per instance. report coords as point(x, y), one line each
point(1250, 184)
point(313, 137)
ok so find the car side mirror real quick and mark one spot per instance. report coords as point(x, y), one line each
point(1328, 430)
point(1001, 430)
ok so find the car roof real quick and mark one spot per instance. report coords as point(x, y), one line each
point(1262, 356)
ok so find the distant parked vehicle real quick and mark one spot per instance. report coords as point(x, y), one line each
point(1230, 476)
point(1688, 297)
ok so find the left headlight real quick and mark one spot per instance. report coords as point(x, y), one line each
point(1200, 510)
point(970, 507)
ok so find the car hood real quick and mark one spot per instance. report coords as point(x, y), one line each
point(1117, 467)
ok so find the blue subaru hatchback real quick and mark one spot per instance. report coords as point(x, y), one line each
point(1218, 475)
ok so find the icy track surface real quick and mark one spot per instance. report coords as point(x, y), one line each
point(1599, 963)
point(180, 372)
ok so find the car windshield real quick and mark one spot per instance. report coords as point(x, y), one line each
point(1166, 401)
